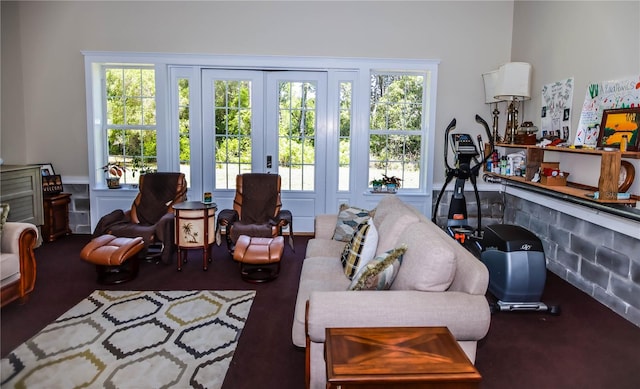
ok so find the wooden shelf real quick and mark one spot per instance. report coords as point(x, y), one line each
point(627, 154)
point(607, 182)
point(568, 190)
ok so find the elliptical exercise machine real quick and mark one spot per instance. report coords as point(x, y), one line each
point(513, 255)
point(466, 152)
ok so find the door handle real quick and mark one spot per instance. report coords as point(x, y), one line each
point(269, 162)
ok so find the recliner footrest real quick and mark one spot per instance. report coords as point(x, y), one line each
point(256, 254)
point(109, 254)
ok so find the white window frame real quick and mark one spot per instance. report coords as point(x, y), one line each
point(422, 132)
point(103, 200)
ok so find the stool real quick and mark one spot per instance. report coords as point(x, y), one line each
point(109, 254)
point(259, 257)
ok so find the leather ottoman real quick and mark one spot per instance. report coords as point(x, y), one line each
point(109, 254)
point(259, 257)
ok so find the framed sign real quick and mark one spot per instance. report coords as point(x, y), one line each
point(617, 123)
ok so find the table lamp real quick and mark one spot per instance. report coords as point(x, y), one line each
point(490, 81)
point(513, 85)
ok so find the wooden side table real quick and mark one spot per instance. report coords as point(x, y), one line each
point(195, 228)
point(397, 357)
point(56, 216)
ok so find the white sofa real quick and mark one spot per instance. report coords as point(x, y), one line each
point(439, 283)
point(17, 261)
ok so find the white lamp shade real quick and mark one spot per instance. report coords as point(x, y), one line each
point(490, 82)
point(514, 81)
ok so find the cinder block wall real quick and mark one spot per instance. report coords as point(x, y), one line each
point(491, 205)
point(601, 262)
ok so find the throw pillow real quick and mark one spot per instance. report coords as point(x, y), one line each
point(430, 263)
point(380, 272)
point(349, 219)
point(4, 213)
point(360, 250)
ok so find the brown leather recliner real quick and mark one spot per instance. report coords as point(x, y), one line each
point(151, 215)
point(257, 209)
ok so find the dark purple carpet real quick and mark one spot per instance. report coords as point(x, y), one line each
point(587, 346)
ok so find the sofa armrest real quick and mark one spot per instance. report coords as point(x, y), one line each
point(25, 237)
point(467, 316)
point(11, 236)
point(325, 226)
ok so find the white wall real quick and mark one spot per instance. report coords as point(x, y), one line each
point(589, 40)
point(43, 101)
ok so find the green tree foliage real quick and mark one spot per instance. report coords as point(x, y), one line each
point(183, 120)
point(396, 111)
point(233, 121)
point(131, 115)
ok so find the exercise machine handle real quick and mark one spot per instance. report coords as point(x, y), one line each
point(450, 127)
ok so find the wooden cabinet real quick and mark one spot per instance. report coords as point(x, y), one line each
point(21, 187)
point(610, 162)
point(56, 216)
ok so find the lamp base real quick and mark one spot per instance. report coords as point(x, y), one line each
point(512, 123)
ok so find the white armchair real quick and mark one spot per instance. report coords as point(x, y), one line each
point(17, 261)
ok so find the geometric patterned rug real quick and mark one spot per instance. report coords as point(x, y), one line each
point(134, 339)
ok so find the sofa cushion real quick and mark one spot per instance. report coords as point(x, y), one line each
point(10, 268)
point(361, 249)
point(324, 248)
point(319, 274)
point(396, 216)
point(379, 273)
point(429, 264)
point(349, 218)
point(4, 213)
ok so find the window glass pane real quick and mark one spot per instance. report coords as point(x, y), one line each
point(130, 131)
point(133, 110)
point(184, 127)
point(133, 149)
point(396, 127)
point(396, 102)
point(233, 130)
point(344, 136)
point(344, 171)
point(396, 155)
point(296, 135)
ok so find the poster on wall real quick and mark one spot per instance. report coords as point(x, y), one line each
point(600, 96)
point(556, 109)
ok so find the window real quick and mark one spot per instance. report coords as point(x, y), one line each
point(184, 126)
point(397, 126)
point(297, 134)
point(344, 136)
point(328, 126)
point(232, 107)
point(130, 119)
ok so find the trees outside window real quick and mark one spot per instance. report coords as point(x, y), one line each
point(130, 120)
point(397, 126)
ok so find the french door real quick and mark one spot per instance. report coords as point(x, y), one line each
point(267, 122)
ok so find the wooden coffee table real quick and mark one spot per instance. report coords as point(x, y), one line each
point(397, 357)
